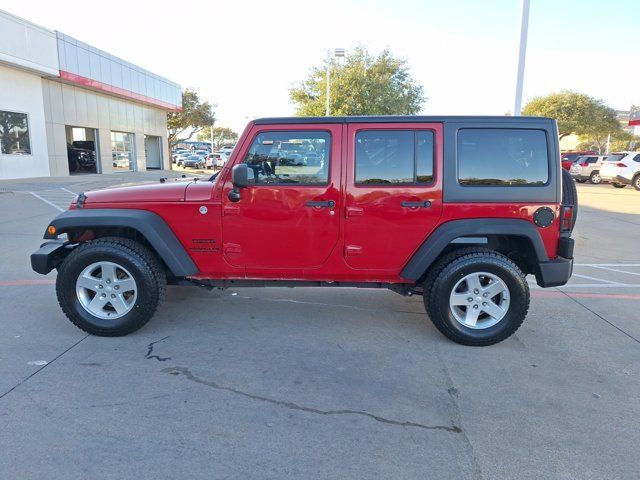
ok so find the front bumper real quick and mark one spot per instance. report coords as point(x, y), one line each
point(49, 255)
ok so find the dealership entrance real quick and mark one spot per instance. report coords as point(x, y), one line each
point(153, 152)
point(81, 150)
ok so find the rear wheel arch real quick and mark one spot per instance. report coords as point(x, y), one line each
point(509, 237)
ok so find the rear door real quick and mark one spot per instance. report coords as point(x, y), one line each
point(287, 220)
point(393, 192)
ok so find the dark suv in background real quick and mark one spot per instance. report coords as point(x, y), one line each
point(82, 156)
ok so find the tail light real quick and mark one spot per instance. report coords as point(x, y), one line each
point(621, 165)
point(567, 218)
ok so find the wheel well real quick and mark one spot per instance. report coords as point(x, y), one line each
point(86, 234)
point(518, 249)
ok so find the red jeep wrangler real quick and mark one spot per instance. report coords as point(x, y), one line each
point(456, 209)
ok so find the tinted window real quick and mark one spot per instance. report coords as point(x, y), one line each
point(506, 157)
point(592, 159)
point(394, 157)
point(636, 158)
point(14, 134)
point(290, 157)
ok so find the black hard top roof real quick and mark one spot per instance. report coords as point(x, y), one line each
point(397, 119)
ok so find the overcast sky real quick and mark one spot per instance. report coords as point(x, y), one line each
point(244, 55)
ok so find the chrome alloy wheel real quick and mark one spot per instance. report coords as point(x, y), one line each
point(106, 290)
point(479, 300)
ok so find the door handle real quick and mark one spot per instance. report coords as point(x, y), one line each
point(424, 204)
point(321, 203)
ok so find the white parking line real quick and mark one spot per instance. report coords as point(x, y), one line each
point(615, 270)
point(592, 278)
point(47, 201)
point(606, 264)
point(68, 191)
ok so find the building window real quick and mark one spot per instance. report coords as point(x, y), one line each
point(281, 158)
point(122, 151)
point(14, 133)
point(394, 157)
point(504, 157)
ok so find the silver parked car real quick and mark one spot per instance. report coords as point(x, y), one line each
point(587, 168)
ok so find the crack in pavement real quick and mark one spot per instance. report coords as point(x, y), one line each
point(293, 406)
point(148, 356)
point(599, 316)
point(42, 368)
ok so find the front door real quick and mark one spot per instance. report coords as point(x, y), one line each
point(394, 192)
point(288, 219)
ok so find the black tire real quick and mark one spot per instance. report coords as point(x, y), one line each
point(447, 272)
point(570, 194)
point(143, 266)
point(580, 180)
point(636, 182)
point(618, 185)
point(595, 178)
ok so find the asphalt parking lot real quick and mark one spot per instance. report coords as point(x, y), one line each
point(321, 383)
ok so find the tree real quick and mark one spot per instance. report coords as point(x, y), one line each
point(195, 116)
point(221, 135)
point(576, 113)
point(361, 85)
point(620, 141)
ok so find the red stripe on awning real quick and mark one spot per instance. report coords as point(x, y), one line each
point(95, 84)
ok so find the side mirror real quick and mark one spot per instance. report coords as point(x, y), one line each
point(242, 176)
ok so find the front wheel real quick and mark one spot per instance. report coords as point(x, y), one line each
point(110, 287)
point(636, 183)
point(477, 298)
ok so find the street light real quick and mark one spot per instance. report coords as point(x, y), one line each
point(338, 52)
point(524, 27)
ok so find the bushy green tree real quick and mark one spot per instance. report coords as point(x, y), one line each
point(361, 84)
point(576, 113)
point(195, 116)
point(221, 135)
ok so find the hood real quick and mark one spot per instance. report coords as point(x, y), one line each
point(155, 192)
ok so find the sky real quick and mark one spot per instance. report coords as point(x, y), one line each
point(243, 56)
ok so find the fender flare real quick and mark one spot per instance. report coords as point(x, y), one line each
point(440, 238)
point(150, 225)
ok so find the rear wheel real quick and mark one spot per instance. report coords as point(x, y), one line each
point(595, 178)
point(476, 298)
point(618, 185)
point(636, 182)
point(110, 286)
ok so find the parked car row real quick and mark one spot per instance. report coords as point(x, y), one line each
point(201, 158)
point(619, 169)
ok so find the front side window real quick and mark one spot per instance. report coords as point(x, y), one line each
point(502, 157)
point(14, 133)
point(394, 157)
point(296, 157)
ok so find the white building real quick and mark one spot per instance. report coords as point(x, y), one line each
point(67, 107)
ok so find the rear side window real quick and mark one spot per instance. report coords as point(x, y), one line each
point(298, 157)
point(502, 157)
point(394, 157)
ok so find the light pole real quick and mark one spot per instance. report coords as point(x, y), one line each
point(338, 52)
point(524, 27)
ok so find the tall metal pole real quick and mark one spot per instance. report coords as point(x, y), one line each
point(524, 27)
point(211, 136)
point(327, 110)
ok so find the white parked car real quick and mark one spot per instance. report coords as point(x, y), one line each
point(622, 169)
